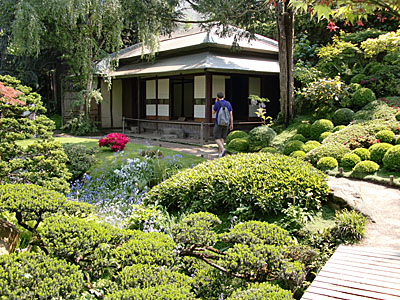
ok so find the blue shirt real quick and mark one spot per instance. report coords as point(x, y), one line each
point(218, 105)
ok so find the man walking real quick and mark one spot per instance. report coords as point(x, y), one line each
point(223, 122)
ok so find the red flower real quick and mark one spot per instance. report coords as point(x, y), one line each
point(378, 140)
point(116, 141)
point(331, 26)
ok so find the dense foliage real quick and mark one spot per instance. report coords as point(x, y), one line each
point(260, 137)
point(245, 183)
point(21, 117)
point(80, 159)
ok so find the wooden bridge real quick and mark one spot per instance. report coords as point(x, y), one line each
point(358, 273)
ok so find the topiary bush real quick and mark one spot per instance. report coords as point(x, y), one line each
point(299, 137)
point(160, 292)
point(349, 160)
point(37, 276)
point(327, 163)
point(378, 151)
point(260, 137)
point(324, 135)
point(235, 135)
point(261, 291)
point(308, 146)
point(362, 97)
point(385, 136)
point(343, 116)
point(292, 146)
point(298, 154)
point(334, 150)
point(319, 127)
point(337, 128)
point(391, 159)
point(23, 117)
point(269, 150)
point(349, 227)
point(258, 182)
point(238, 145)
point(364, 168)
point(304, 129)
point(362, 153)
point(80, 159)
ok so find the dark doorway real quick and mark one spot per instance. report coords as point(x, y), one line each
point(237, 93)
point(182, 93)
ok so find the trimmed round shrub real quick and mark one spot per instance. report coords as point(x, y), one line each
point(343, 116)
point(299, 137)
point(378, 151)
point(319, 127)
point(80, 159)
point(398, 116)
point(362, 153)
point(269, 150)
point(357, 78)
point(337, 128)
point(261, 136)
point(235, 135)
point(298, 154)
point(365, 167)
point(238, 145)
point(261, 291)
point(160, 292)
point(354, 87)
point(304, 129)
point(292, 146)
point(37, 276)
point(349, 160)
point(263, 182)
point(391, 160)
point(362, 97)
point(385, 136)
point(308, 146)
point(334, 150)
point(324, 135)
point(142, 276)
point(327, 163)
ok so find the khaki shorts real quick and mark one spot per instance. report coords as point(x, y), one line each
point(220, 132)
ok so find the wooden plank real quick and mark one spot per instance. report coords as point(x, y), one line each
point(359, 286)
point(356, 273)
point(395, 272)
point(312, 296)
point(334, 294)
point(353, 291)
point(362, 252)
point(367, 259)
point(374, 282)
point(370, 249)
point(360, 269)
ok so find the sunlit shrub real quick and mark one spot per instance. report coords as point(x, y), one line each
point(391, 159)
point(327, 163)
point(378, 151)
point(319, 127)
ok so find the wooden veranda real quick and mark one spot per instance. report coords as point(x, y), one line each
point(358, 273)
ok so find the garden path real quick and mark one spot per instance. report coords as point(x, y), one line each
point(379, 203)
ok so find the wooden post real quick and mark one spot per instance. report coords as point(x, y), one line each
point(340, 171)
point(391, 177)
point(208, 102)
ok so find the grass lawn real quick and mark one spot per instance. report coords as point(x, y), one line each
point(106, 155)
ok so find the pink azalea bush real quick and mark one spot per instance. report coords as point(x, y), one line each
point(115, 141)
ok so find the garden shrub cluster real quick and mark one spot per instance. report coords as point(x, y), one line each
point(320, 126)
point(343, 116)
point(22, 117)
point(235, 135)
point(262, 182)
point(80, 159)
point(327, 163)
point(260, 137)
point(238, 145)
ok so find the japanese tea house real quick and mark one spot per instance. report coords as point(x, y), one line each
point(177, 89)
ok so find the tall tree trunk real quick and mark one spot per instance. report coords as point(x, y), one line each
point(285, 26)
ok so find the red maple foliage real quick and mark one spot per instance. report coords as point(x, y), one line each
point(9, 95)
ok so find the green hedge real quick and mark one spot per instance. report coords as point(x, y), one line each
point(349, 160)
point(37, 276)
point(260, 182)
point(238, 145)
point(378, 151)
point(385, 136)
point(362, 153)
point(324, 135)
point(391, 160)
point(327, 163)
point(308, 146)
point(334, 150)
point(362, 97)
point(343, 116)
point(298, 154)
point(292, 146)
point(364, 168)
point(319, 127)
point(161, 292)
point(260, 137)
point(235, 135)
point(261, 291)
point(304, 129)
